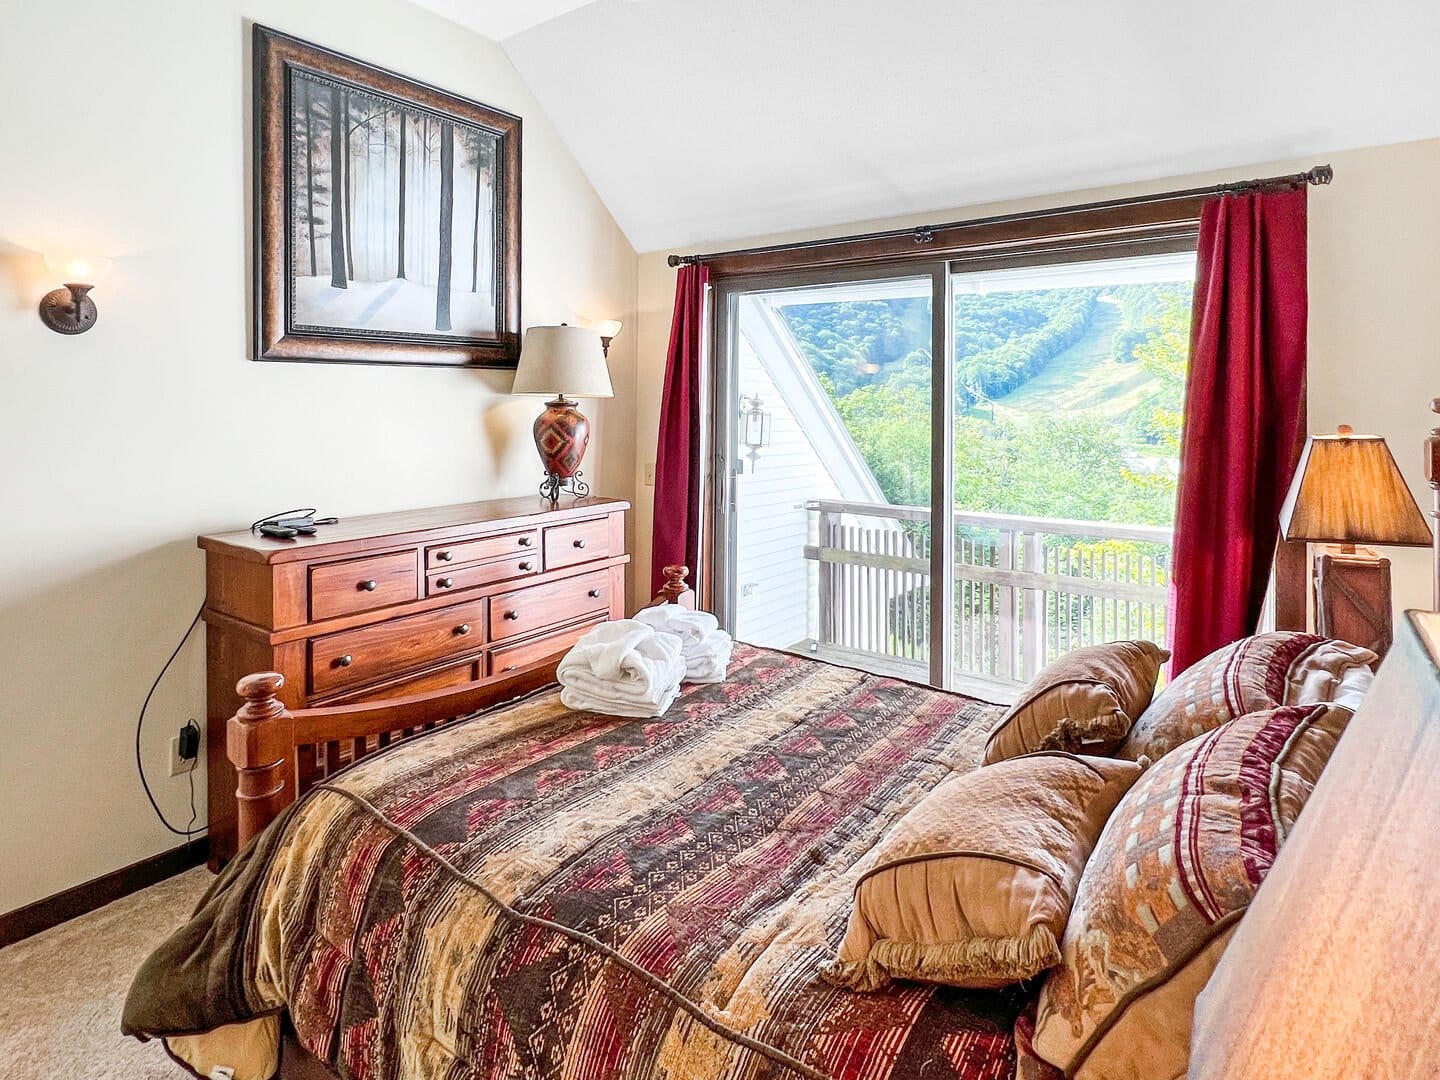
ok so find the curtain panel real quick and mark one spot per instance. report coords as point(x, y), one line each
point(1244, 404)
point(676, 536)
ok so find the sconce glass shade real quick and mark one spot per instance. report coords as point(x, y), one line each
point(609, 328)
point(71, 268)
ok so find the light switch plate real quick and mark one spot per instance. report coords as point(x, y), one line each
point(649, 474)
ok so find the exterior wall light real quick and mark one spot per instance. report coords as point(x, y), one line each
point(754, 427)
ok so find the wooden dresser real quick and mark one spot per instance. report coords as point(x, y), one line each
point(397, 604)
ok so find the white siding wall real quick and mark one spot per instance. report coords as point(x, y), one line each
point(775, 586)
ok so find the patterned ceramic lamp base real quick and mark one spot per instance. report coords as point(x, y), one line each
point(561, 436)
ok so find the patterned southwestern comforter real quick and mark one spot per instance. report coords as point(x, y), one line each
point(715, 847)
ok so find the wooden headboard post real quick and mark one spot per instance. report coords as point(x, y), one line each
point(1432, 474)
point(675, 591)
point(260, 742)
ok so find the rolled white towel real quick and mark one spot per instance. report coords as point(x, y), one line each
point(623, 667)
point(704, 645)
point(689, 626)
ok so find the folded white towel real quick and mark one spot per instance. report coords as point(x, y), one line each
point(581, 700)
point(704, 645)
point(622, 667)
point(710, 662)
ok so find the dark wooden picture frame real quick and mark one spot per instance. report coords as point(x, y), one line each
point(299, 316)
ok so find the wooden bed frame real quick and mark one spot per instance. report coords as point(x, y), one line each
point(264, 739)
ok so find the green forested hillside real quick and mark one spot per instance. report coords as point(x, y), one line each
point(1068, 400)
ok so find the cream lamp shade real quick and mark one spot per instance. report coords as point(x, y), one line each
point(1348, 490)
point(563, 360)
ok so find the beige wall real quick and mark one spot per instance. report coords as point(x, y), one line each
point(1374, 317)
point(126, 135)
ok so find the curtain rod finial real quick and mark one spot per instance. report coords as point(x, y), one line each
point(1321, 174)
point(681, 260)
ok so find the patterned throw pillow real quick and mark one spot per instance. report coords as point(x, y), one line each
point(1260, 672)
point(1083, 703)
point(973, 886)
point(1174, 870)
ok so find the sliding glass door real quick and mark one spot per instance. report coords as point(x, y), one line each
point(954, 473)
point(827, 465)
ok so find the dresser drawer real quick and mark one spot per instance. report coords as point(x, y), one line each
point(566, 545)
point(511, 658)
point(487, 547)
point(446, 678)
point(515, 614)
point(343, 588)
point(440, 582)
point(371, 652)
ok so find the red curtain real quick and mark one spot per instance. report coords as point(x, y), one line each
point(676, 537)
point(1244, 401)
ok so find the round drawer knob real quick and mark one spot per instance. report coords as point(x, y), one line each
point(526, 541)
point(511, 616)
point(594, 592)
point(525, 565)
point(367, 586)
point(344, 661)
point(462, 629)
point(444, 556)
point(580, 543)
point(444, 582)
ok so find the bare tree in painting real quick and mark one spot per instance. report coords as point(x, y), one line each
point(349, 192)
point(447, 223)
point(481, 159)
point(338, 279)
point(400, 216)
point(306, 95)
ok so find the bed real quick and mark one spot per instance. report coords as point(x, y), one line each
point(528, 892)
point(705, 859)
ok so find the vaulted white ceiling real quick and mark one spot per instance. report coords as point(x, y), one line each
point(706, 121)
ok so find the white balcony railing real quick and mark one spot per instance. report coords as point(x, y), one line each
point(1027, 590)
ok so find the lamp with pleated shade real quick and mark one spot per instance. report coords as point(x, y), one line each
point(1347, 492)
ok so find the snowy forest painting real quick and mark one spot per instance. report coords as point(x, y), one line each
point(398, 216)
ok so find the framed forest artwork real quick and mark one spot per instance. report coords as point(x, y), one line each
point(387, 224)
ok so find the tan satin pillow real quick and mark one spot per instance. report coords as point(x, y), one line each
point(1083, 703)
point(973, 886)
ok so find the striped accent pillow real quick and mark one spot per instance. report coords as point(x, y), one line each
point(1260, 672)
point(1174, 870)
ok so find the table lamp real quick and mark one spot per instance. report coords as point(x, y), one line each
point(1348, 491)
point(562, 360)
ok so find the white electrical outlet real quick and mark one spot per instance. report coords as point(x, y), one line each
point(178, 765)
point(649, 474)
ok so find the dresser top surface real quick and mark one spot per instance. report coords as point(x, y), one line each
point(375, 530)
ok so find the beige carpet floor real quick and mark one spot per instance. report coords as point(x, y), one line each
point(61, 991)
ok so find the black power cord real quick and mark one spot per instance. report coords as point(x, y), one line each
point(189, 830)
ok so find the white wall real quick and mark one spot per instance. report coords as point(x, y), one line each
point(126, 134)
point(1374, 319)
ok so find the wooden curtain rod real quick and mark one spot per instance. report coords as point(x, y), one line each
point(1320, 174)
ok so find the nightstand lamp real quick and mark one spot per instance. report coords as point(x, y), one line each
point(1347, 491)
point(562, 360)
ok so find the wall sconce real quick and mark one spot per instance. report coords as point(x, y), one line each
point(69, 309)
point(609, 330)
point(754, 427)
